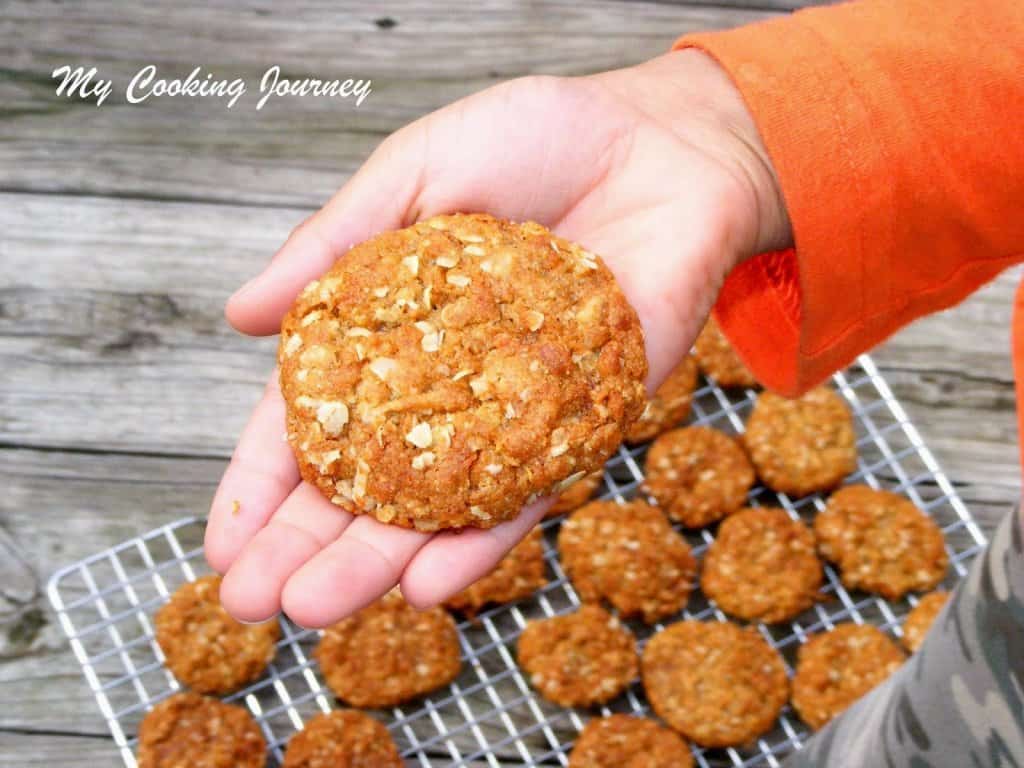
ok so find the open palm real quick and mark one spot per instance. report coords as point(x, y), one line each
point(670, 203)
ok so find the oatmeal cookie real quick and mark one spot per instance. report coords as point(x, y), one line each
point(762, 566)
point(881, 542)
point(578, 660)
point(624, 741)
point(189, 730)
point(802, 445)
point(698, 475)
point(576, 495)
point(669, 406)
point(519, 574)
point(921, 618)
point(446, 374)
point(836, 668)
point(389, 653)
point(719, 360)
point(629, 555)
point(716, 683)
point(342, 739)
point(204, 647)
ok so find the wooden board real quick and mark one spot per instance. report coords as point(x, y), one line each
point(126, 227)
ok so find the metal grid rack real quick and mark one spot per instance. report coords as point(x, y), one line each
point(489, 716)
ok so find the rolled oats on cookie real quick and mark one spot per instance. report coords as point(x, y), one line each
point(189, 730)
point(446, 374)
point(801, 445)
point(204, 647)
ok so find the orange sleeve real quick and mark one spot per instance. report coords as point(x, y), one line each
point(896, 128)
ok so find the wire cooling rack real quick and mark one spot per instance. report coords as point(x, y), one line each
point(489, 716)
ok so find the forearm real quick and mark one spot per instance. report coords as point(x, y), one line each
point(892, 128)
point(959, 701)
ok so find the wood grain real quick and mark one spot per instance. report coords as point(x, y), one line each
point(126, 227)
point(294, 151)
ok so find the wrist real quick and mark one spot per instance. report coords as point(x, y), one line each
point(690, 94)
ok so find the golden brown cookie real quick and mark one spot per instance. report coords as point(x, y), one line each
point(762, 566)
point(881, 542)
point(580, 659)
point(624, 741)
point(921, 618)
point(802, 445)
point(698, 475)
point(446, 374)
point(836, 668)
point(519, 574)
point(342, 739)
point(716, 683)
point(719, 360)
point(189, 730)
point(669, 406)
point(204, 647)
point(629, 555)
point(389, 653)
point(576, 495)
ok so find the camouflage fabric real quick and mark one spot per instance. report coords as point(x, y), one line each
point(959, 701)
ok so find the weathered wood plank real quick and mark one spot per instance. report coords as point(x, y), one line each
point(295, 151)
point(21, 750)
point(113, 307)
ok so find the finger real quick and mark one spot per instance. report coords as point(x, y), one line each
point(364, 563)
point(260, 476)
point(452, 561)
point(375, 199)
point(302, 526)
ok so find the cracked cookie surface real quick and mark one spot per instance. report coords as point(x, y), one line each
point(342, 739)
point(837, 667)
point(698, 475)
point(388, 653)
point(802, 445)
point(624, 741)
point(189, 730)
point(204, 647)
point(718, 684)
point(446, 374)
point(762, 566)
point(629, 555)
point(580, 659)
point(881, 542)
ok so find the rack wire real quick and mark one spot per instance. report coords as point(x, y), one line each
point(489, 716)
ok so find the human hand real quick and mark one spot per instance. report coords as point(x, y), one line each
point(657, 168)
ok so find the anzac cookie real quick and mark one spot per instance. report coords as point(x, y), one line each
point(576, 495)
point(188, 730)
point(802, 445)
point(629, 555)
point(578, 660)
point(836, 668)
point(881, 542)
point(698, 475)
point(342, 739)
point(389, 653)
point(762, 566)
point(669, 406)
point(204, 647)
point(519, 574)
point(921, 618)
point(446, 374)
point(719, 360)
point(716, 683)
point(624, 741)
